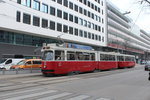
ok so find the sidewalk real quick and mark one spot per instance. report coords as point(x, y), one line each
point(2, 77)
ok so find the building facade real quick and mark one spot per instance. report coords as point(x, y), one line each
point(124, 36)
point(30, 23)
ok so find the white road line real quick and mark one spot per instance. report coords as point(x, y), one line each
point(80, 97)
point(103, 99)
point(55, 96)
point(30, 95)
point(19, 92)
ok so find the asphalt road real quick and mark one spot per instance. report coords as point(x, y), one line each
point(123, 84)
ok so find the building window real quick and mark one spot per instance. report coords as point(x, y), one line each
point(99, 28)
point(102, 39)
point(59, 27)
point(44, 8)
point(81, 33)
point(52, 25)
point(89, 24)
point(96, 37)
point(71, 5)
point(44, 23)
point(26, 18)
point(102, 30)
point(36, 5)
point(76, 8)
point(85, 23)
point(95, 8)
point(80, 21)
point(80, 1)
point(70, 17)
point(18, 16)
point(99, 38)
point(92, 16)
point(36, 21)
point(95, 27)
point(59, 1)
point(70, 30)
point(59, 13)
point(80, 10)
point(19, 1)
point(89, 4)
point(85, 12)
point(89, 14)
point(85, 34)
point(52, 11)
point(92, 5)
point(85, 2)
point(26, 2)
point(76, 19)
point(76, 31)
point(66, 3)
point(65, 16)
point(93, 36)
point(65, 28)
point(89, 35)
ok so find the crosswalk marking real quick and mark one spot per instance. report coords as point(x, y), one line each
point(103, 99)
point(31, 95)
point(19, 92)
point(80, 97)
point(55, 96)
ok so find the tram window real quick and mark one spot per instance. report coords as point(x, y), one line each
point(48, 55)
point(84, 56)
point(59, 55)
point(120, 58)
point(70, 55)
point(79, 56)
point(127, 58)
point(102, 57)
point(92, 56)
point(111, 57)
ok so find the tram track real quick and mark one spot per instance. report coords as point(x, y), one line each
point(36, 81)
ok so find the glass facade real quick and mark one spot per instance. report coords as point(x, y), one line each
point(22, 39)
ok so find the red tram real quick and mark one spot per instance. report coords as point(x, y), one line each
point(63, 60)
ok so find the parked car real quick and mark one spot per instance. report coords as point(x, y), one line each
point(7, 63)
point(28, 63)
point(147, 66)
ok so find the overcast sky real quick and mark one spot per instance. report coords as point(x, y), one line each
point(143, 21)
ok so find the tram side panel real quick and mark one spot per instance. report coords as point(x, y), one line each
point(126, 61)
point(107, 61)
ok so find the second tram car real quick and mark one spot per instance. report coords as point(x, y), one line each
point(64, 60)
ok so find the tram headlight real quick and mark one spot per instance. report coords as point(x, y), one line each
point(44, 66)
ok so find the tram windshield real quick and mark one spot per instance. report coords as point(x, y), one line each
point(48, 55)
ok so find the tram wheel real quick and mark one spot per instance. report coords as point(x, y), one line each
point(149, 78)
point(73, 73)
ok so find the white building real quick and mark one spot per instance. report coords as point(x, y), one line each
point(123, 35)
point(26, 24)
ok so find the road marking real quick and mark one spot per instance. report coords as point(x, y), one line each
point(103, 99)
point(55, 96)
point(19, 92)
point(31, 95)
point(80, 97)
